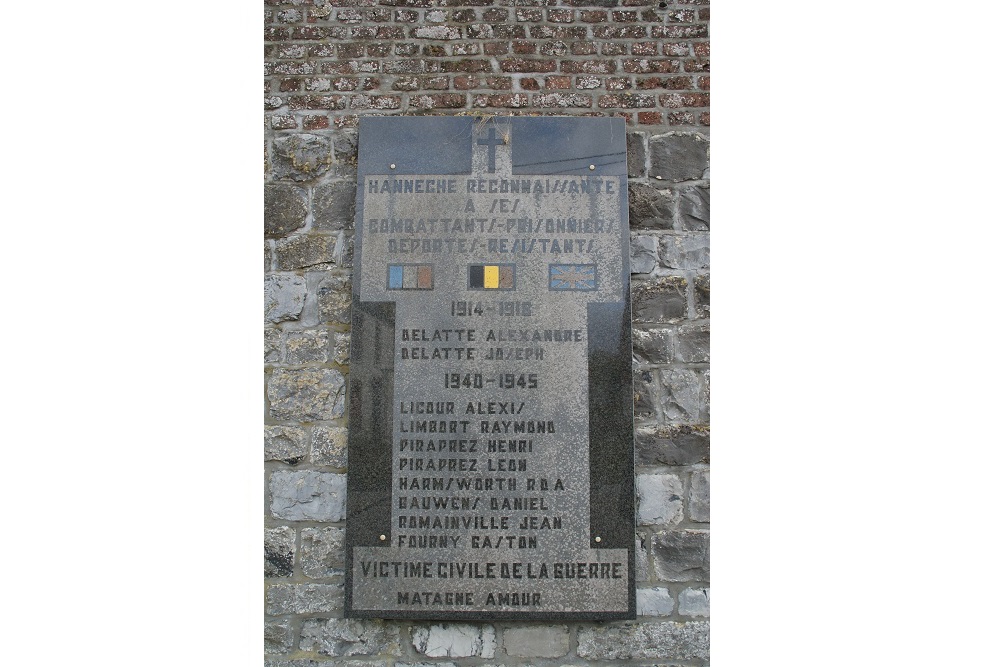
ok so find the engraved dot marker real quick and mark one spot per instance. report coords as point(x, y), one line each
point(382, 537)
point(392, 166)
point(597, 539)
point(592, 167)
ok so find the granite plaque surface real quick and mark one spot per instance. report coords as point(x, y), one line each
point(490, 450)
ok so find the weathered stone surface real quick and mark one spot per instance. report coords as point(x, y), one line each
point(305, 346)
point(455, 640)
point(536, 641)
point(267, 256)
point(272, 345)
point(333, 206)
point(644, 641)
point(307, 251)
point(636, 148)
point(660, 499)
point(680, 395)
point(285, 209)
point(322, 552)
point(694, 602)
point(340, 347)
point(660, 300)
point(643, 383)
point(693, 209)
point(304, 599)
point(698, 506)
point(653, 602)
point(672, 445)
point(678, 156)
point(641, 558)
point(643, 253)
point(285, 443)
point(334, 298)
point(305, 495)
point(652, 346)
point(347, 637)
point(649, 207)
point(693, 344)
point(278, 637)
point(701, 296)
point(329, 446)
point(306, 394)
point(284, 297)
point(279, 551)
point(681, 555)
point(323, 663)
point(300, 157)
point(684, 251)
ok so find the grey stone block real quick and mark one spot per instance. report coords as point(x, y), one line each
point(267, 256)
point(323, 663)
point(279, 551)
point(693, 209)
point(636, 148)
point(285, 209)
point(334, 299)
point(680, 395)
point(653, 602)
point(643, 386)
point(649, 207)
point(340, 347)
point(455, 640)
point(694, 602)
point(329, 446)
point(681, 555)
point(536, 641)
point(284, 297)
point(698, 507)
point(322, 552)
point(285, 599)
point(693, 344)
point(285, 443)
point(347, 637)
point(659, 301)
point(305, 495)
point(306, 394)
point(652, 346)
point(687, 251)
point(272, 346)
point(644, 641)
point(304, 346)
point(672, 445)
point(660, 499)
point(641, 558)
point(279, 637)
point(678, 156)
point(307, 251)
point(333, 206)
point(300, 157)
point(643, 254)
point(701, 296)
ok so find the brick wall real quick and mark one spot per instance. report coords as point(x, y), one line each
point(328, 62)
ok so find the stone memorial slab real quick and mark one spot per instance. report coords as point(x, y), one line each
point(490, 444)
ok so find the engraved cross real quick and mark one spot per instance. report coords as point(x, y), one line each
point(492, 142)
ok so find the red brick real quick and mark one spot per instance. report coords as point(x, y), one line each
point(469, 66)
point(645, 48)
point(701, 49)
point(352, 50)
point(496, 48)
point(650, 118)
point(703, 15)
point(593, 16)
point(315, 84)
point(294, 68)
point(626, 101)
point(495, 15)
point(438, 101)
point(614, 49)
point(558, 32)
point(630, 16)
point(677, 49)
point(283, 122)
point(466, 82)
point(524, 47)
point(680, 118)
point(703, 82)
point(588, 82)
point(703, 118)
point(406, 83)
point(311, 32)
point(558, 83)
point(618, 83)
point(560, 16)
point(331, 102)
point(499, 82)
point(696, 66)
point(376, 101)
point(563, 100)
point(620, 32)
point(529, 83)
point(370, 83)
point(588, 66)
point(529, 14)
point(315, 123)
point(288, 86)
point(526, 65)
point(679, 31)
point(506, 101)
point(345, 121)
point(678, 100)
point(406, 16)
point(380, 50)
point(288, 51)
point(506, 31)
point(650, 65)
point(465, 49)
point(434, 51)
point(345, 83)
point(583, 48)
point(463, 15)
point(681, 16)
point(275, 34)
point(434, 83)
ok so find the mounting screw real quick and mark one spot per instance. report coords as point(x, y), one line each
point(382, 537)
point(592, 167)
point(392, 166)
point(597, 539)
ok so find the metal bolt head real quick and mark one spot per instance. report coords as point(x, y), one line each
point(382, 537)
point(392, 166)
point(597, 539)
point(592, 167)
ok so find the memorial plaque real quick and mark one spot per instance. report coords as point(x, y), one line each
point(490, 449)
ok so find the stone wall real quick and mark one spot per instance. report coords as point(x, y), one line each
point(326, 63)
